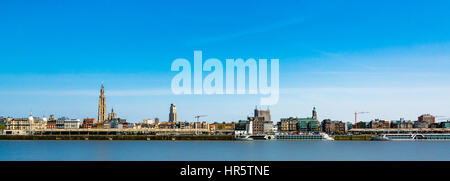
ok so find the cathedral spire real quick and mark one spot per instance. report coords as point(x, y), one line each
point(102, 106)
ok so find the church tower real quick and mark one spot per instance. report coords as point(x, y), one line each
point(314, 113)
point(102, 106)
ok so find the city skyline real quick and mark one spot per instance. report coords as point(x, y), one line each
point(388, 58)
point(173, 114)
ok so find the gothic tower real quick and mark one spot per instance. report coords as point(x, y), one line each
point(102, 106)
point(173, 117)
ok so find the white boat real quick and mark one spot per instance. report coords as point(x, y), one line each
point(413, 137)
point(300, 137)
point(306, 137)
point(244, 138)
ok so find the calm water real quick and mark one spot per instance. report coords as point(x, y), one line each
point(222, 151)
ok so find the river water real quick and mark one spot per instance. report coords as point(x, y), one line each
point(223, 151)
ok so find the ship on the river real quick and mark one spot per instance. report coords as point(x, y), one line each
point(294, 137)
point(413, 137)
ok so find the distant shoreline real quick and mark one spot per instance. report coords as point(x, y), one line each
point(118, 137)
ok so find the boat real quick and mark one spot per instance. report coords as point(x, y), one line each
point(306, 137)
point(244, 138)
point(413, 137)
point(254, 137)
point(299, 137)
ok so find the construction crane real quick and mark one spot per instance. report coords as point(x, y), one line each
point(198, 120)
point(199, 116)
point(356, 117)
point(443, 117)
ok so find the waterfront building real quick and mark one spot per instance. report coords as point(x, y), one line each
point(147, 121)
point(242, 127)
point(39, 124)
point(102, 106)
point(17, 125)
point(379, 124)
point(275, 128)
point(2, 120)
point(428, 118)
point(123, 126)
point(401, 124)
point(107, 124)
point(51, 123)
point(329, 126)
point(166, 125)
point(114, 124)
point(181, 125)
point(212, 127)
point(361, 125)
point(420, 124)
point(288, 124)
point(173, 116)
point(20, 124)
point(261, 116)
point(60, 122)
point(225, 126)
point(444, 124)
point(72, 124)
point(24, 125)
point(156, 122)
point(434, 125)
point(88, 123)
point(349, 126)
point(268, 127)
point(198, 125)
point(307, 125)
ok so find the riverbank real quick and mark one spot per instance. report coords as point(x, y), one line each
point(119, 137)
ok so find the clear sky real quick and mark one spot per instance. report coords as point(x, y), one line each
point(388, 58)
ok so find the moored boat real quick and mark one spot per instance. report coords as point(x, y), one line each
point(413, 137)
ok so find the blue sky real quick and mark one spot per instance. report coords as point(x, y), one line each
point(387, 58)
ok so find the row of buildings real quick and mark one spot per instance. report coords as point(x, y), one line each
point(258, 124)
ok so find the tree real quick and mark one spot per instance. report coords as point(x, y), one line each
point(2, 127)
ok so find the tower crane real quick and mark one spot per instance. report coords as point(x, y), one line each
point(198, 120)
point(356, 117)
point(443, 117)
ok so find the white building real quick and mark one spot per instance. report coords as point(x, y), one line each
point(72, 124)
point(24, 125)
point(148, 121)
point(268, 127)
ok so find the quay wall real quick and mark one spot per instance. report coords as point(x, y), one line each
point(353, 137)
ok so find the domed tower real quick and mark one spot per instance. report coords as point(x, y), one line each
point(31, 121)
point(314, 113)
point(44, 122)
point(44, 119)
